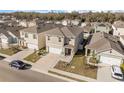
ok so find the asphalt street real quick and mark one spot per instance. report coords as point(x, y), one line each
point(8, 74)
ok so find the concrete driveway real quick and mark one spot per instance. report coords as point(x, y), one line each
point(104, 74)
point(47, 62)
point(20, 55)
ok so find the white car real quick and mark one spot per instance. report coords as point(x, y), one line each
point(117, 72)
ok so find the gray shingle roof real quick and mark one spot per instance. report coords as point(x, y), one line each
point(103, 42)
point(67, 31)
point(14, 30)
point(122, 36)
point(39, 29)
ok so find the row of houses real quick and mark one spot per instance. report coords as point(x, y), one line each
point(58, 39)
point(105, 41)
point(105, 46)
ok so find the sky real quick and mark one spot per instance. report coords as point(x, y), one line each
point(69, 5)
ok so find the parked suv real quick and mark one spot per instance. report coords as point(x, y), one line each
point(117, 72)
point(17, 64)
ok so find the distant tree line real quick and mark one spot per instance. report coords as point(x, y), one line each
point(84, 17)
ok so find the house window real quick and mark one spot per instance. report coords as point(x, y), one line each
point(59, 39)
point(34, 36)
point(22, 33)
point(48, 37)
point(26, 35)
point(110, 51)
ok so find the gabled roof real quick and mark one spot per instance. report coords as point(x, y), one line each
point(101, 42)
point(67, 31)
point(39, 29)
point(13, 30)
point(55, 32)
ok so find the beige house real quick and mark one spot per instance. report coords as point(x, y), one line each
point(34, 37)
point(106, 48)
point(65, 40)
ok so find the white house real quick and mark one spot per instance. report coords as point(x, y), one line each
point(66, 22)
point(9, 36)
point(26, 23)
point(122, 39)
point(118, 28)
point(75, 22)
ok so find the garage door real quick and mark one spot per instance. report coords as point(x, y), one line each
point(55, 50)
point(110, 60)
point(32, 46)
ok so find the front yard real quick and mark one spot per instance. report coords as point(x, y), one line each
point(34, 57)
point(9, 51)
point(78, 66)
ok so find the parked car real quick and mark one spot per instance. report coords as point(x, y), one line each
point(18, 64)
point(117, 72)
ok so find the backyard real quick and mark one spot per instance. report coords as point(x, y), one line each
point(78, 66)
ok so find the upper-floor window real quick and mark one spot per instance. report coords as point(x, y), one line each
point(59, 39)
point(26, 35)
point(22, 33)
point(48, 37)
point(34, 36)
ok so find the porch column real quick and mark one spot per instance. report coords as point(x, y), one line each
point(86, 50)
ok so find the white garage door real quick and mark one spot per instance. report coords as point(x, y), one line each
point(32, 46)
point(110, 60)
point(55, 50)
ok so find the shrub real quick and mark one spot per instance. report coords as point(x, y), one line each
point(122, 67)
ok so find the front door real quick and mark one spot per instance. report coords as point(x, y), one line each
point(67, 51)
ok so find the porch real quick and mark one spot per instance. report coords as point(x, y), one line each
point(68, 53)
point(22, 43)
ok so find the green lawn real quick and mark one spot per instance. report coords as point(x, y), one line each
point(78, 66)
point(9, 51)
point(33, 57)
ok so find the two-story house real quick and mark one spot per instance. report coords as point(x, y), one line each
point(102, 27)
point(118, 28)
point(9, 36)
point(34, 37)
point(64, 40)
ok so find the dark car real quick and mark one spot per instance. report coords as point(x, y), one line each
point(18, 64)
